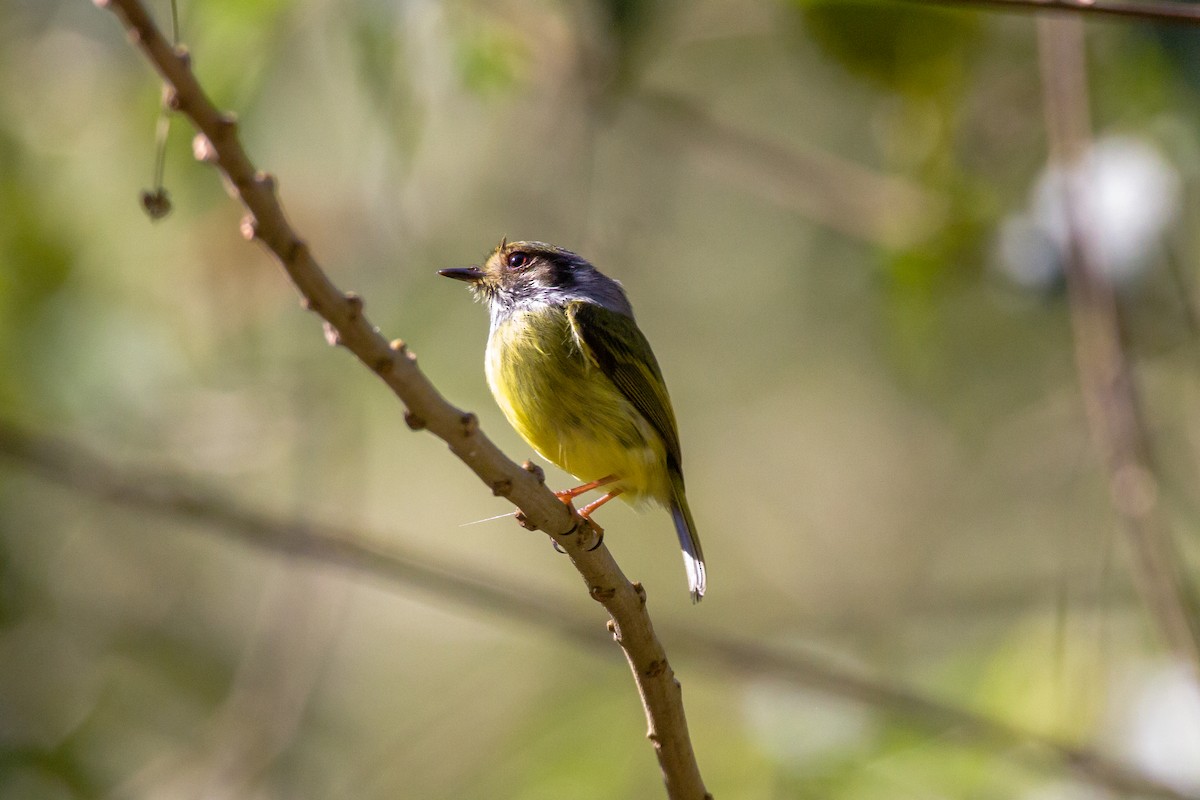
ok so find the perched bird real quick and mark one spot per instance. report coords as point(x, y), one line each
point(574, 375)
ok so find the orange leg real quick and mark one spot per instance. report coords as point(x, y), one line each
point(590, 508)
point(587, 487)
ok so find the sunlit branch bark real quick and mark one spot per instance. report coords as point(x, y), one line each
point(346, 324)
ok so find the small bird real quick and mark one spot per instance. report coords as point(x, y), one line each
point(576, 378)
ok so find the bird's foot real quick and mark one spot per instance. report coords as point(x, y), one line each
point(596, 529)
point(592, 526)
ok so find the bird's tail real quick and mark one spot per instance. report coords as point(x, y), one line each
point(689, 542)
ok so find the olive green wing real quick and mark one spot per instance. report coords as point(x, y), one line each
point(615, 344)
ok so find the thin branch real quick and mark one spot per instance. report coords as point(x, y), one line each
point(153, 491)
point(1187, 13)
point(1105, 373)
point(346, 324)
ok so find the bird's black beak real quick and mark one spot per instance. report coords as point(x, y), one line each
point(468, 274)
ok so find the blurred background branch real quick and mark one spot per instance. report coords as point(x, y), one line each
point(153, 491)
point(883, 210)
point(1151, 11)
point(1105, 374)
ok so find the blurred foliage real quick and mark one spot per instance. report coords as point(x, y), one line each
point(807, 201)
point(37, 262)
point(491, 59)
point(913, 51)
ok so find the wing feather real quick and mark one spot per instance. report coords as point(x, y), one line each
point(615, 344)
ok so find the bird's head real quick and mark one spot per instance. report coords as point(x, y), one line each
point(530, 274)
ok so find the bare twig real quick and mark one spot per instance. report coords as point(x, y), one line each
point(151, 490)
point(1188, 13)
point(218, 143)
point(1105, 374)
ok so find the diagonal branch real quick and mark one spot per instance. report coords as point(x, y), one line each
point(149, 490)
point(218, 143)
point(881, 209)
point(1187, 13)
point(1105, 373)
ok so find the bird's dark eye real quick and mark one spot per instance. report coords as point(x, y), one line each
point(517, 260)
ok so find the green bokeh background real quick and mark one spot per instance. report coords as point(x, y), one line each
point(883, 435)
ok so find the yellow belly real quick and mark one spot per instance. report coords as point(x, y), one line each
point(568, 410)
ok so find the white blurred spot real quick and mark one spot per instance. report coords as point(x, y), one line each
point(1159, 730)
point(1128, 194)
